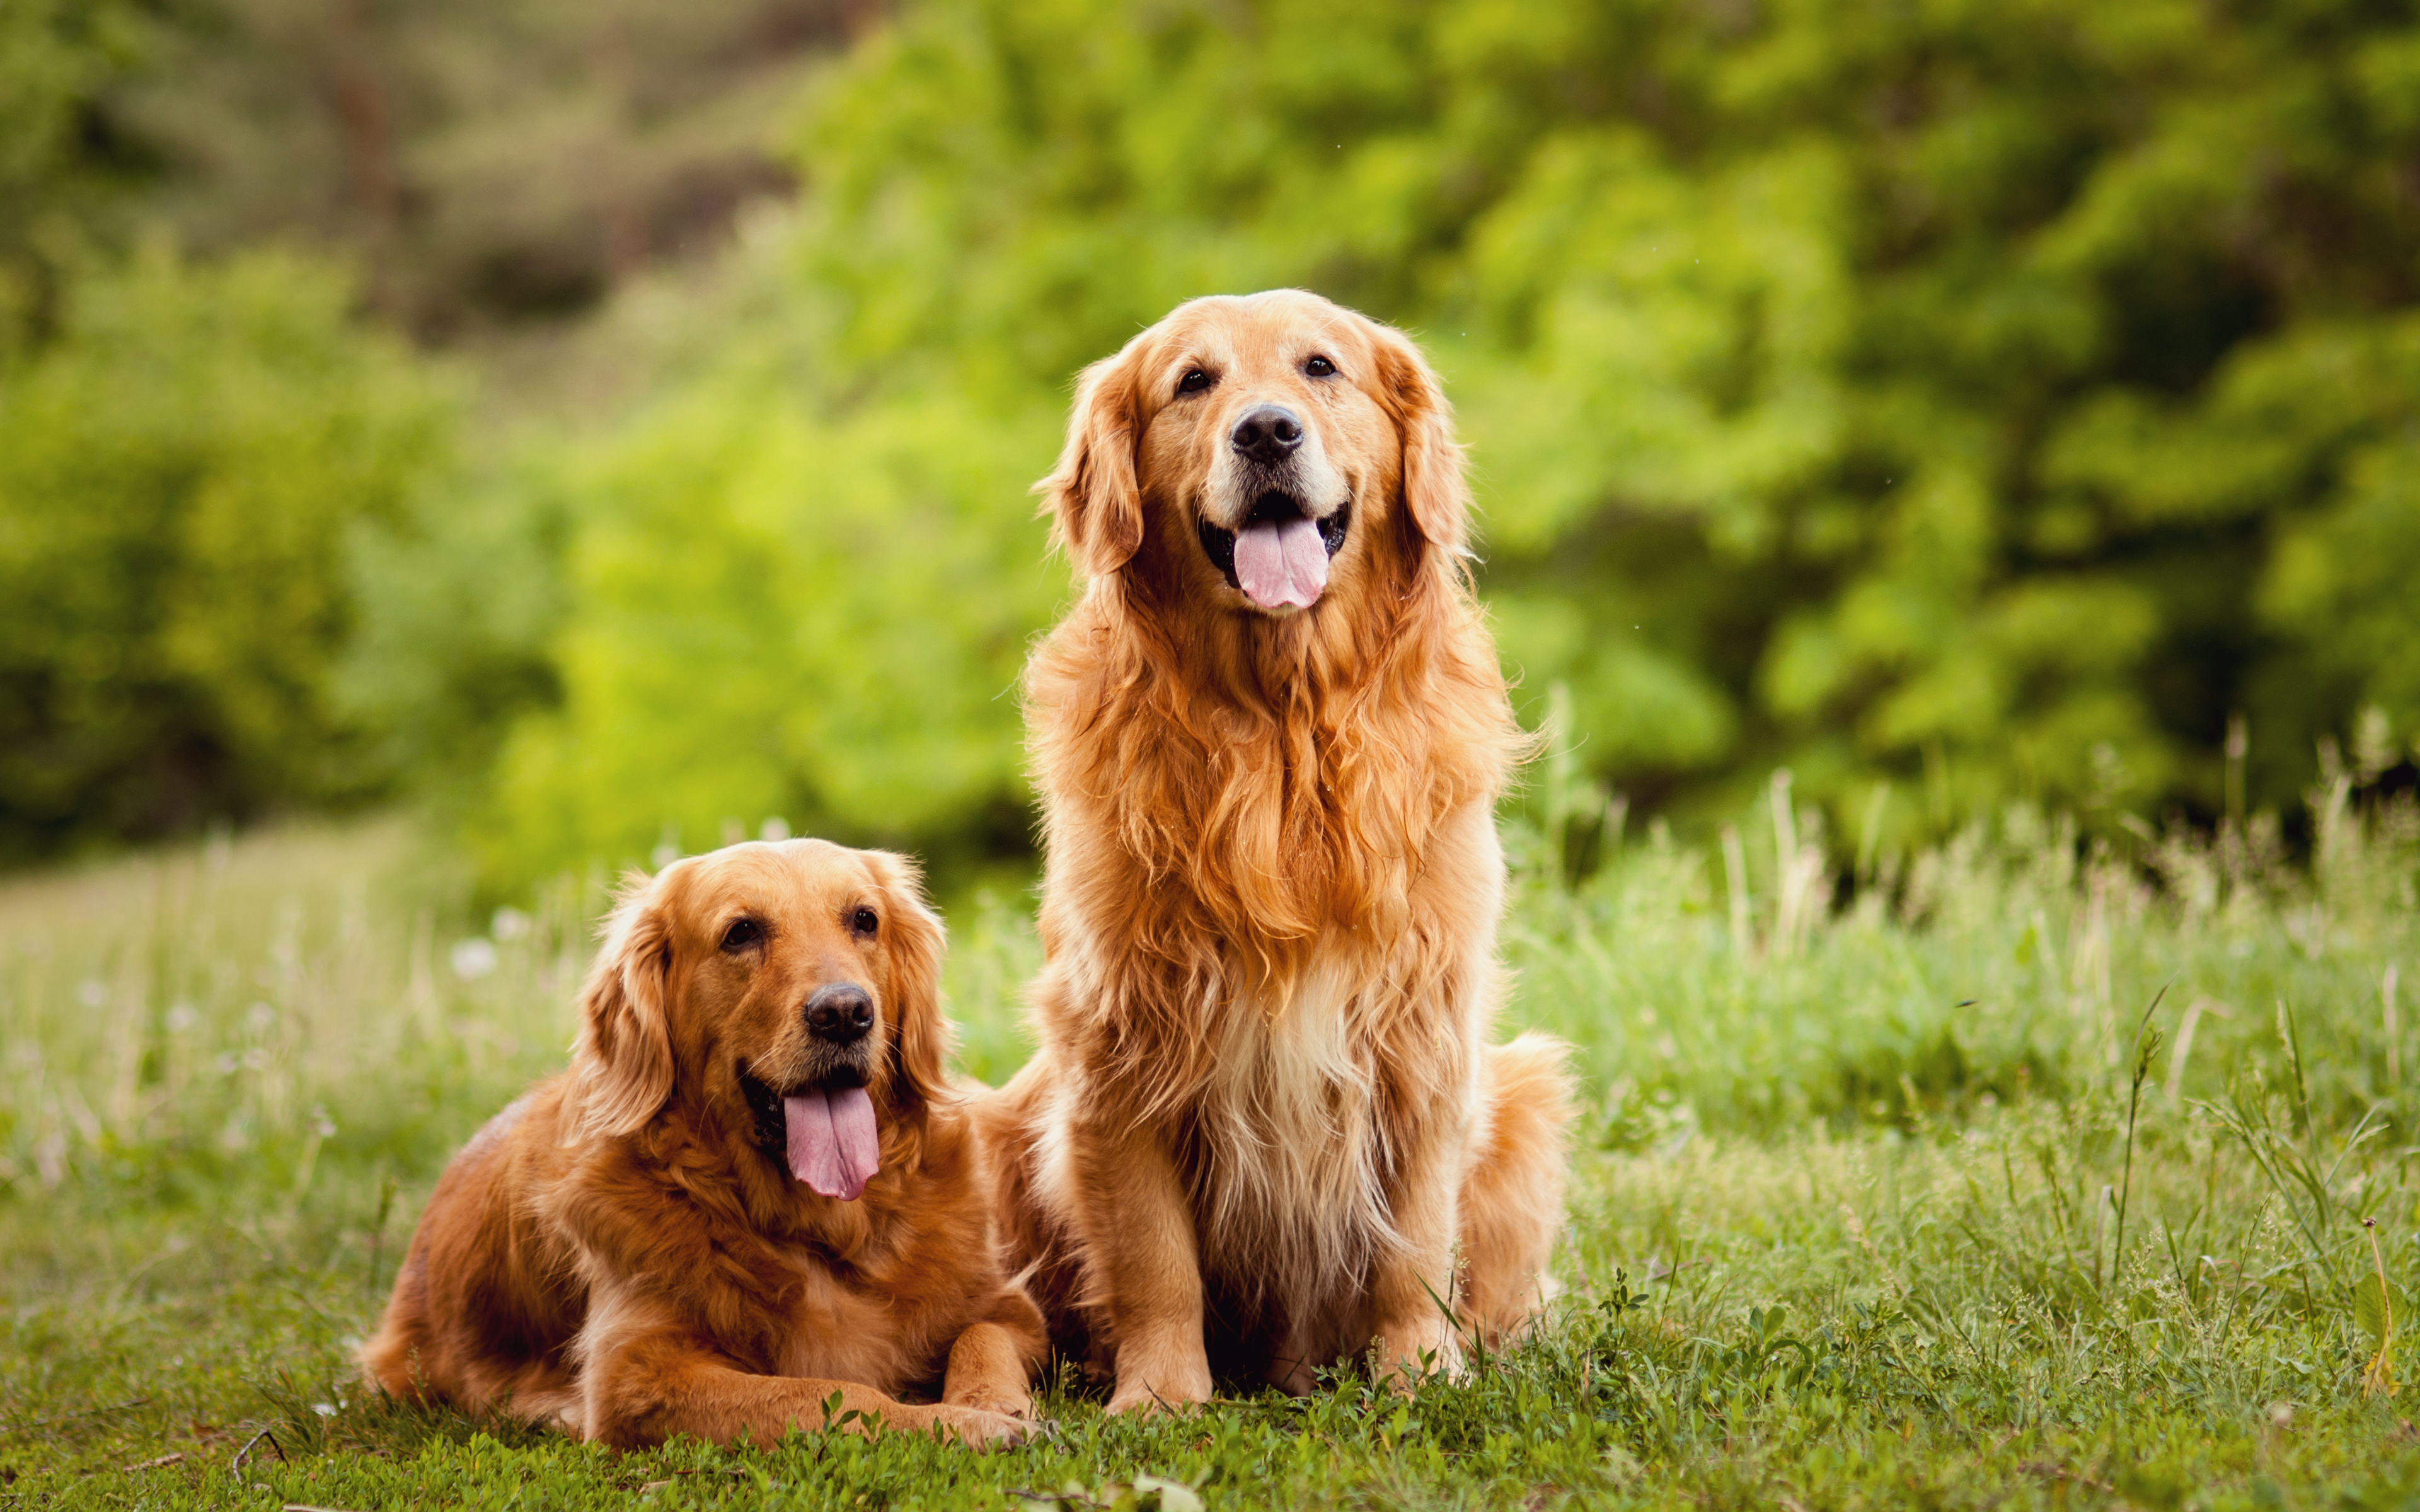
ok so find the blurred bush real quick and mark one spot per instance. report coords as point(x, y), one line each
point(61, 168)
point(180, 470)
point(455, 600)
point(785, 610)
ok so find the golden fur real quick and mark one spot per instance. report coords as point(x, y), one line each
point(1263, 1121)
point(621, 1252)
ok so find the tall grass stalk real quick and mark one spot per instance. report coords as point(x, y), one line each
point(2146, 1044)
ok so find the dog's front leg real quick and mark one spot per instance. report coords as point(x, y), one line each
point(992, 1363)
point(1141, 1264)
point(1411, 1289)
point(657, 1387)
point(647, 1375)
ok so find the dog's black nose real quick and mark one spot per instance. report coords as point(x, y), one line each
point(1267, 433)
point(840, 1013)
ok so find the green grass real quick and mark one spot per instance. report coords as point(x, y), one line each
point(2025, 1173)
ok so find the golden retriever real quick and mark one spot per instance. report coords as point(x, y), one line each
point(1263, 1129)
point(751, 1191)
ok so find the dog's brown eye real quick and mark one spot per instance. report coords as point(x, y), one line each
point(1194, 381)
point(863, 921)
point(742, 934)
point(1319, 367)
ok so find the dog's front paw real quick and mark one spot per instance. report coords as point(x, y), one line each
point(1144, 1399)
point(1001, 1404)
point(1174, 1377)
point(979, 1429)
point(1427, 1350)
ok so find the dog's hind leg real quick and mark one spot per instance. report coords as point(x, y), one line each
point(1036, 1241)
point(1513, 1196)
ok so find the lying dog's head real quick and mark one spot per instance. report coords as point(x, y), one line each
point(795, 988)
point(1258, 450)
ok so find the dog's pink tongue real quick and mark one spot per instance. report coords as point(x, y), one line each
point(1281, 563)
point(834, 1147)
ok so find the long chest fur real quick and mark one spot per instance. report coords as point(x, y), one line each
point(1292, 1145)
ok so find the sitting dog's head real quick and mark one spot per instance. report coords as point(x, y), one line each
point(791, 989)
point(1257, 449)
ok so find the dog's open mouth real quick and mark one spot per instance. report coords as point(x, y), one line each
point(822, 1133)
point(1278, 560)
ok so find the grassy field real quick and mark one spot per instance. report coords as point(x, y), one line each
point(2021, 1172)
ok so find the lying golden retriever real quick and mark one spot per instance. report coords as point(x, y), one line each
point(1262, 1128)
point(750, 1192)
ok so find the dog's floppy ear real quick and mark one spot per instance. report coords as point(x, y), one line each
point(622, 1062)
point(1435, 491)
point(912, 943)
point(1093, 499)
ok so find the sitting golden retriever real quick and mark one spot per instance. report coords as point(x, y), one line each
point(1262, 1126)
point(750, 1192)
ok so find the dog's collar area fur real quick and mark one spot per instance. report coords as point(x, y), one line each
point(1218, 543)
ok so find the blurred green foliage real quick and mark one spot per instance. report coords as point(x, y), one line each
point(58, 163)
point(180, 469)
point(1994, 398)
point(1990, 400)
point(782, 611)
point(251, 564)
